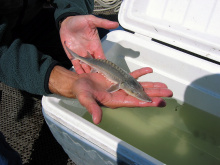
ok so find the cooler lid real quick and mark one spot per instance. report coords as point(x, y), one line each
point(193, 25)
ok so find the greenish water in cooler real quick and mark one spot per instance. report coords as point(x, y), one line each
point(175, 135)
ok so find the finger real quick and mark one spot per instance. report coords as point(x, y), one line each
point(158, 92)
point(141, 72)
point(77, 66)
point(158, 102)
point(98, 53)
point(130, 101)
point(103, 23)
point(96, 112)
point(153, 85)
point(92, 107)
point(86, 68)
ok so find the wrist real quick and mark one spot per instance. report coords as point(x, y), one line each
point(62, 17)
point(61, 82)
point(63, 21)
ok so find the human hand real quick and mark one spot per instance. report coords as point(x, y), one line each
point(90, 90)
point(91, 93)
point(81, 35)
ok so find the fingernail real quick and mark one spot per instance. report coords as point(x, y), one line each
point(95, 120)
point(162, 104)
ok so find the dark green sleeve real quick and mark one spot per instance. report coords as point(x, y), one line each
point(22, 66)
point(67, 8)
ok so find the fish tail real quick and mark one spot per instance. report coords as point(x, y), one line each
point(73, 54)
point(76, 56)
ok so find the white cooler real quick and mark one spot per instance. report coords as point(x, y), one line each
point(180, 40)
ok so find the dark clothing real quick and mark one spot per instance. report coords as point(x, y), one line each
point(29, 40)
point(22, 65)
point(8, 156)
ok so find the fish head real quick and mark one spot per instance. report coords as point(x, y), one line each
point(135, 89)
point(141, 95)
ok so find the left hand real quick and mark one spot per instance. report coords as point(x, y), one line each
point(81, 35)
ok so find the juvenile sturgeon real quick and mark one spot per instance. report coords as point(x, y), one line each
point(120, 78)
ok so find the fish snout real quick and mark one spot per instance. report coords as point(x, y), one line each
point(144, 97)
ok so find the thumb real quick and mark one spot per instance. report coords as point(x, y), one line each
point(88, 101)
point(103, 23)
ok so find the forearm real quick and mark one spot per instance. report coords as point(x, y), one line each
point(24, 68)
point(61, 82)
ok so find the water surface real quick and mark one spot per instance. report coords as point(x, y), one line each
point(177, 134)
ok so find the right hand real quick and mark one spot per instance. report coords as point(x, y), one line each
point(81, 35)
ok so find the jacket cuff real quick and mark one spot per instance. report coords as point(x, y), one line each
point(47, 76)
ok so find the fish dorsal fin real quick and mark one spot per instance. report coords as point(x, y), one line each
point(88, 55)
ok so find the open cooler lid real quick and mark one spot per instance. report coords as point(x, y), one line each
point(193, 25)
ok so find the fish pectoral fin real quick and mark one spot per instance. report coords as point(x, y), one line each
point(113, 88)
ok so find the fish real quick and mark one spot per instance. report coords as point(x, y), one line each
point(115, 74)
